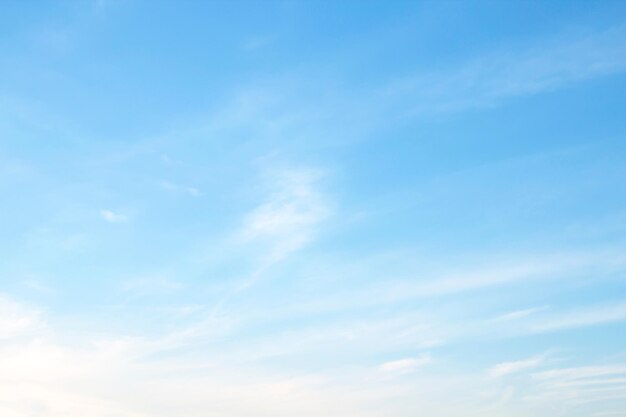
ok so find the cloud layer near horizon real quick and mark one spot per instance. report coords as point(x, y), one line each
point(211, 212)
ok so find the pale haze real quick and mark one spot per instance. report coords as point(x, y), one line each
point(312, 208)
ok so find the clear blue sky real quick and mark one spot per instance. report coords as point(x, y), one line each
point(312, 208)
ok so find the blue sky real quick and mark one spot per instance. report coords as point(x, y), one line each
point(279, 208)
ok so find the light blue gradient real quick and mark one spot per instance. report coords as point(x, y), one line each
point(312, 208)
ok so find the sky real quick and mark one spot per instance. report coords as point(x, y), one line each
point(312, 208)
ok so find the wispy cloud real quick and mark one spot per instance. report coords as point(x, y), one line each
point(94, 377)
point(581, 372)
point(465, 279)
point(286, 220)
point(113, 217)
point(507, 368)
point(177, 188)
point(406, 365)
point(151, 284)
point(518, 314)
point(17, 319)
point(604, 385)
point(256, 312)
point(582, 317)
point(490, 79)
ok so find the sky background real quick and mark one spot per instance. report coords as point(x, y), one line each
point(291, 208)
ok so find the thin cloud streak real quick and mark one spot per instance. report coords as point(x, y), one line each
point(582, 317)
point(487, 81)
point(113, 217)
point(507, 368)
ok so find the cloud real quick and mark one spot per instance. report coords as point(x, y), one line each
point(192, 191)
point(581, 372)
point(227, 366)
point(151, 284)
point(112, 217)
point(507, 368)
point(129, 376)
point(582, 317)
point(406, 365)
point(17, 319)
point(603, 385)
point(119, 376)
point(518, 314)
point(287, 218)
point(490, 79)
point(385, 287)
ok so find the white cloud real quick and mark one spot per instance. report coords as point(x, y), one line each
point(582, 317)
point(507, 368)
point(405, 365)
point(119, 377)
point(384, 287)
point(192, 191)
point(518, 314)
point(488, 80)
point(16, 319)
point(112, 217)
point(286, 220)
point(582, 385)
point(582, 372)
point(151, 284)
point(122, 376)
